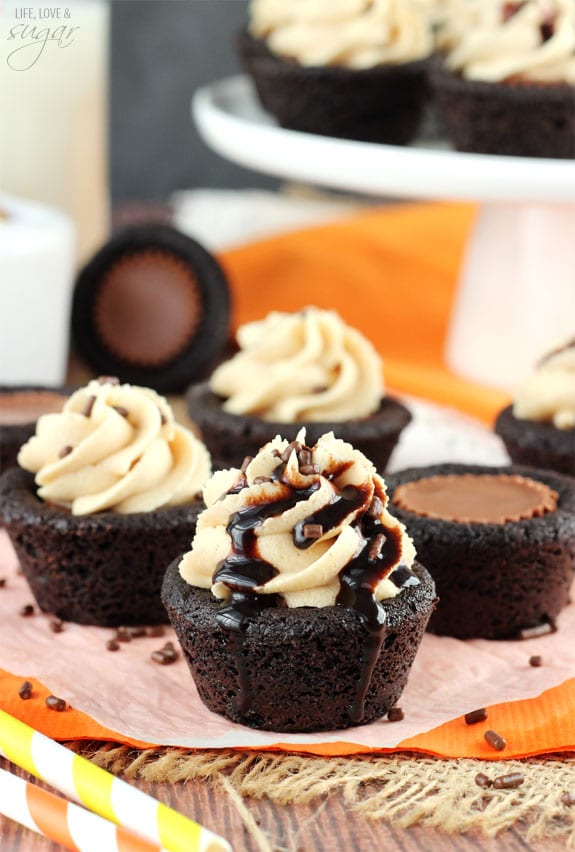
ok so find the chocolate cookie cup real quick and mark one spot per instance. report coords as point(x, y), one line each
point(296, 669)
point(105, 568)
point(520, 119)
point(495, 577)
point(383, 104)
point(537, 443)
point(232, 437)
point(20, 407)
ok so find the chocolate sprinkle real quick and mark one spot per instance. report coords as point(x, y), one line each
point(163, 418)
point(123, 412)
point(123, 634)
point(259, 480)
point(508, 782)
point(495, 740)
point(293, 445)
point(245, 463)
point(568, 798)
point(2, 582)
point(313, 531)
point(166, 655)
point(155, 630)
point(536, 661)
point(304, 457)
point(25, 691)
point(89, 406)
point(375, 507)
point(309, 469)
point(396, 714)
point(65, 451)
point(136, 632)
point(375, 547)
point(479, 715)
point(55, 703)
point(27, 610)
point(482, 780)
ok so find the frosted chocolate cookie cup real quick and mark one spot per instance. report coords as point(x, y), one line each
point(107, 497)
point(538, 429)
point(300, 606)
point(499, 543)
point(303, 369)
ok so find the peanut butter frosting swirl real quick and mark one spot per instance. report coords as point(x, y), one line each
point(548, 394)
point(115, 446)
point(307, 366)
point(495, 41)
point(293, 521)
point(350, 33)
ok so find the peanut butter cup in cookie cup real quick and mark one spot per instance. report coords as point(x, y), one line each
point(499, 542)
point(300, 606)
point(539, 428)
point(303, 369)
point(113, 501)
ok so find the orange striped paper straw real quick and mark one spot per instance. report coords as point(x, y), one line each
point(103, 793)
point(69, 825)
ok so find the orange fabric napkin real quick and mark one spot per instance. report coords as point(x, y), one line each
point(392, 273)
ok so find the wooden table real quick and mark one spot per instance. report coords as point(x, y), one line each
point(317, 827)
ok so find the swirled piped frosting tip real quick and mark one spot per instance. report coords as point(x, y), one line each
point(548, 394)
point(299, 526)
point(115, 446)
point(305, 366)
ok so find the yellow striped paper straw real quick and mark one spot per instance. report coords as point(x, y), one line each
point(69, 825)
point(102, 792)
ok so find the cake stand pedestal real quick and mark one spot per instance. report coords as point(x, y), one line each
point(516, 291)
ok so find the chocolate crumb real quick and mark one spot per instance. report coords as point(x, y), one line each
point(65, 451)
point(482, 780)
point(475, 716)
point(312, 531)
point(2, 582)
point(108, 380)
point(396, 714)
point(123, 634)
point(56, 625)
point(568, 798)
point(375, 547)
point(112, 645)
point(539, 630)
point(27, 610)
point(136, 632)
point(25, 691)
point(495, 740)
point(508, 782)
point(123, 412)
point(55, 703)
point(89, 406)
point(536, 661)
point(155, 630)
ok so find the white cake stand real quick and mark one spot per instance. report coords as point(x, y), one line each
point(516, 293)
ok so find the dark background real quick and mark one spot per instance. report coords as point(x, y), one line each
point(161, 51)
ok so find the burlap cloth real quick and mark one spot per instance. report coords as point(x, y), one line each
point(403, 789)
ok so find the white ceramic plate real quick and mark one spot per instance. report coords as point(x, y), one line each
point(230, 120)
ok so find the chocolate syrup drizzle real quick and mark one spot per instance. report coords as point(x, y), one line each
point(243, 570)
